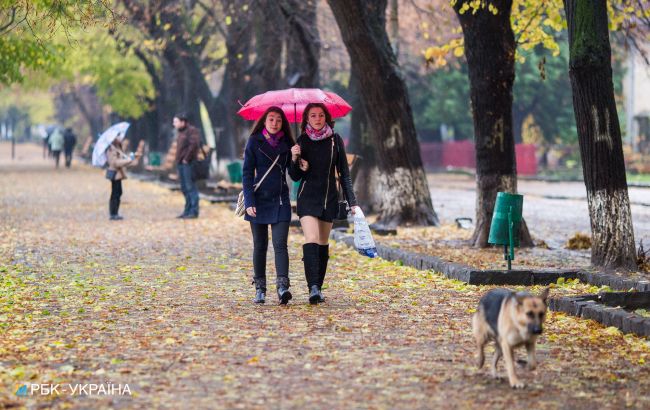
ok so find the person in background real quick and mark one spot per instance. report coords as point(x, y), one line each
point(117, 162)
point(69, 141)
point(188, 144)
point(56, 145)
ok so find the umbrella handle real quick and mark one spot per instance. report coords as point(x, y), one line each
point(239, 102)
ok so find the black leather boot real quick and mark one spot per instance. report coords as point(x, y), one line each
point(310, 259)
point(283, 290)
point(323, 258)
point(260, 290)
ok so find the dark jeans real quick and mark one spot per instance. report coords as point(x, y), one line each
point(116, 194)
point(191, 192)
point(57, 155)
point(279, 233)
point(68, 159)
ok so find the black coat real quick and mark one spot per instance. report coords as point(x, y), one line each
point(318, 190)
point(271, 200)
point(69, 141)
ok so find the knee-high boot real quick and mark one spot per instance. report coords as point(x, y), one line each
point(323, 258)
point(310, 258)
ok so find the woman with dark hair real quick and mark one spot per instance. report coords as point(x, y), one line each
point(316, 158)
point(117, 162)
point(268, 204)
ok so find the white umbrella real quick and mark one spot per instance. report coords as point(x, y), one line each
point(106, 139)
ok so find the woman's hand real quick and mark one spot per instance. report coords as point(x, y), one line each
point(251, 211)
point(304, 165)
point(353, 210)
point(295, 152)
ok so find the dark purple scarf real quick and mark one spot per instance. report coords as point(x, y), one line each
point(272, 139)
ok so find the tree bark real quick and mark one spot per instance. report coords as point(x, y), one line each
point(365, 172)
point(269, 27)
point(490, 51)
point(303, 43)
point(239, 37)
point(599, 135)
point(405, 197)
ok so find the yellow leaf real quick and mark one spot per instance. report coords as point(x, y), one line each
point(613, 331)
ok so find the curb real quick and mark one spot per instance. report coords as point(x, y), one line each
point(588, 307)
point(474, 276)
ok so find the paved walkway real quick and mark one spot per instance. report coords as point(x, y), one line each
point(164, 306)
point(554, 211)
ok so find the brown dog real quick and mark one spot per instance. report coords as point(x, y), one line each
point(511, 320)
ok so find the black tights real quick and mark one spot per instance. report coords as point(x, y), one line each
point(279, 233)
point(116, 194)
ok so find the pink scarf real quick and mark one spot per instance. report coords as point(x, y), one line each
point(318, 135)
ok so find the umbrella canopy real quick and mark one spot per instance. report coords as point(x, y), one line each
point(293, 102)
point(106, 139)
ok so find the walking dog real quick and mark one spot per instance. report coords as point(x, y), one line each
point(511, 320)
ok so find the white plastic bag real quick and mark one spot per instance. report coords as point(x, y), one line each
point(362, 237)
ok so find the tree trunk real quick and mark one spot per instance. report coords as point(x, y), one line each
point(269, 27)
point(303, 43)
point(402, 183)
point(365, 173)
point(599, 134)
point(489, 39)
point(238, 44)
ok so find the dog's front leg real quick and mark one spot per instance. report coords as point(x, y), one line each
point(530, 349)
point(508, 356)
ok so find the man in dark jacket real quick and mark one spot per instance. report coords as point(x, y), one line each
point(69, 141)
point(187, 146)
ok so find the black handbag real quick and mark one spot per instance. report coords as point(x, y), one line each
point(201, 168)
point(111, 174)
point(343, 207)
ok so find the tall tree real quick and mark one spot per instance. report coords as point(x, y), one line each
point(490, 51)
point(599, 134)
point(269, 27)
point(403, 185)
point(303, 43)
point(238, 38)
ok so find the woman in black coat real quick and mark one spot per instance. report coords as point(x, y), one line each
point(316, 159)
point(269, 205)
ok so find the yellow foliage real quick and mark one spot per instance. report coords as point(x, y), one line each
point(534, 23)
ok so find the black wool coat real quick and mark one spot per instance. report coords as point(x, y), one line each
point(317, 192)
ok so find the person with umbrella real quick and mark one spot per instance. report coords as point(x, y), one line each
point(266, 198)
point(316, 158)
point(188, 144)
point(108, 150)
point(117, 162)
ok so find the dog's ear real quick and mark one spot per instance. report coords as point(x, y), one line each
point(544, 294)
point(520, 297)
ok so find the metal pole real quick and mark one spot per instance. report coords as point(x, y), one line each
point(295, 125)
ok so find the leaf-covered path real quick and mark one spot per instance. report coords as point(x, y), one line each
point(164, 306)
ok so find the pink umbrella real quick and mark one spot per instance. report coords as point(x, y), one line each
point(293, 102)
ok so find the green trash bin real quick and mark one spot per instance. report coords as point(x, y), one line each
point(506, 221)
point(154, 158)
point(234, 172)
